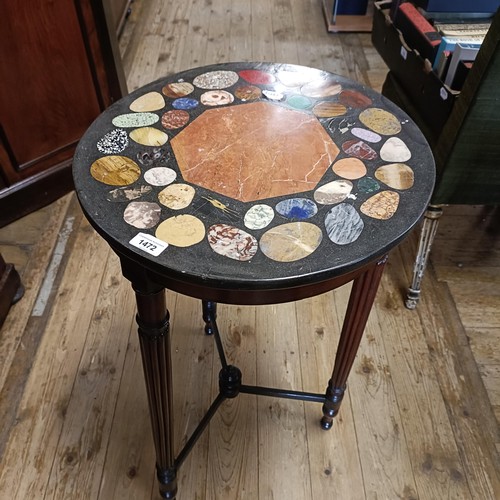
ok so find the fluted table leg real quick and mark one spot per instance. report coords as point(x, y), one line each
point(363, 293)
point(154, 335)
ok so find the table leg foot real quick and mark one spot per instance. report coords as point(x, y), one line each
point(209, 315)
point(363, 293)
point(334, 396)
point(168, 482)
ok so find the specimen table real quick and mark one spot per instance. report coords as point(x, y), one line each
point(249, 183)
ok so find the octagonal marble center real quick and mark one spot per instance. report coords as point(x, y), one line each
point(254, 151)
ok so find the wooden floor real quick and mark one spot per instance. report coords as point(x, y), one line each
point(420, 417)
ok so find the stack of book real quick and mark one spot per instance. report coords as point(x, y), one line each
point(448, 33)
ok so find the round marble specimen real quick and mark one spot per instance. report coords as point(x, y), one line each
point(152, 101)
point(128, 193)
point(247, 92)
point(354, 99)
point(299, 102)
point(366, 135)
point(113, 142)
point(333, 192)
point(149, 136)
point(135, 120)
point(115, 170)
point(174, 119)
point(381, 206)
point(160, 176)
point(216, 98)
point(176, 196)
point(368, 185)
point(142, 215)
point(359, 149)
point(297, 208)
point(258, 216)
point(185, 103)
point(327, 109)
point(181, 231)
point(321, 88)
point(232, 242)
point(380, 121)
point(395, 150)
point(216, 80)
point(291, 242)
point(343, 224)
point(349, 168)
point(177, 89)
point(396, 175)
point(257, 77)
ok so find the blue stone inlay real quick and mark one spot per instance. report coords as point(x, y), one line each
point(185, 103)
point(297, 208)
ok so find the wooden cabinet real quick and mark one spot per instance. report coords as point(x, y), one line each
point(58, 70)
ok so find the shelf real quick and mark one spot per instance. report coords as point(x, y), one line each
point(344, 23)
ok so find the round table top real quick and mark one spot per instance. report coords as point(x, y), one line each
point(252, 176)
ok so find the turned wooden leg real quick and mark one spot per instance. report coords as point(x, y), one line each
point(363, 293)
point(11, 288)
point(154, 335)
point(427, 235)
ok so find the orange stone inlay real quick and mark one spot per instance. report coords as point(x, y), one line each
point(254, 151)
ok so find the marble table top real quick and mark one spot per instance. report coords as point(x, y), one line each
point(253, 175)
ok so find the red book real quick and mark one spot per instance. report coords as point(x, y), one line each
point(418, 33)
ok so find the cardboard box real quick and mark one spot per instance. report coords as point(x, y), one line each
point(433, 100)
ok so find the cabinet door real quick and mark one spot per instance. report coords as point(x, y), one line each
point(54, 82)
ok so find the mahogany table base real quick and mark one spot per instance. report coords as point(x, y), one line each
point(154, 334)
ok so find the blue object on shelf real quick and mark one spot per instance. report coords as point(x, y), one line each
point(350, 7)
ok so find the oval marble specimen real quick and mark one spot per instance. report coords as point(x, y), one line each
point(354, 99)
point(395, 150)
point(321, 88)
point(216, 80)
point(327, 109)
point(185, 103)
point(359, 149)
point(174, 119)
point(177, 89)
point(396, 175)
point(366, 135)
point(299, 101)
point(152, 101)
point(113, 142)
point(176, 196)
point(333, 192)
point(296, 78)
point(258, 216)
point(135, 120)
point(297, 208)
point(291, 242)
point(257, 77)
point(232, 242)
point(149, 136)
point(247, 92)
point(349, 168)
point(142, 215)
point(368, 185)
point(128, 193)
point(343, 224)
point(115, 170)
point(160, 176)
point(381, 206)
point(380, 121)
point(181, 231)
point(216, 98)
